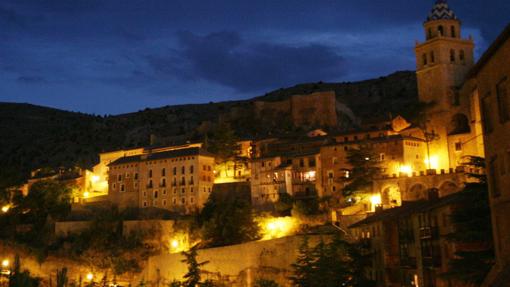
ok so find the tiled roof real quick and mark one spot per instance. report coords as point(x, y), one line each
point(162, 155)
point(441, 11)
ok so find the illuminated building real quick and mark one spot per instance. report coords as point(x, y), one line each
point(175, 179)
point(490, 77)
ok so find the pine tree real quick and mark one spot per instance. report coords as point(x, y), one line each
point(192, 277)
point(303, 266)
point(365, 168)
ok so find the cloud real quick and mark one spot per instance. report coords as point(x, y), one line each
point(226, 59)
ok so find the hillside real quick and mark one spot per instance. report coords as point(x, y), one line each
point(34, 136)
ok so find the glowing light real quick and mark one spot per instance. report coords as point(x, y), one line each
point(90, 276)
point(432, 162)
point(375, 200)
point(179, 243)
point(367, 158)
point(407, 169)
point(94, 178)
point(5, 263)
point(310, 175)
point(277, 227)
point(86, 194)
point(6, 208)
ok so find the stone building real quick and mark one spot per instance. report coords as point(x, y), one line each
point(317, 109)
point(453, 124)
point(408, 243)
point(178, 179)
point(490, 80)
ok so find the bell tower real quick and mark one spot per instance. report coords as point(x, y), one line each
point(442, 63)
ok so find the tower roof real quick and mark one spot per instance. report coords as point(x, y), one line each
point(441, 11)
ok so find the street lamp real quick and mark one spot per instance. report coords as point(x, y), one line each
point(90, 276)
point(5, 263)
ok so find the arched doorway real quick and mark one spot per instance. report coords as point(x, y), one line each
point(391, 196)
point(416, 192)
point(447, 188)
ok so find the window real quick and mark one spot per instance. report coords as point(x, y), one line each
point(440, 29)
point(183, 181)
point(149, 185)
point(191, 182)
point(175, 171)
point(174, 201)
point(503, 103)
point(301, 163)
point(191, 169)
point(462, 56)
point(452, 56)
point(150, 173)
point(155, 194)
point(429, 33)
point(163, 182)
point(311, 162)
point(163, 172)
point(424, 57)
point(122, 188)
point(183, 170)
point(119, 177)
point(164, 202)
point(145, 204)
point(453, 32)
point(183, 191)
point(183, 200)
point(136, 176)
point(493, 168)
point(458, 146)
point(432, 57)
point(486, 113)
point(191, 200)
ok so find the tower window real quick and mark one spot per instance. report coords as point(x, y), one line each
point(432, 57)
point(452, 56)
point(453, 32)
point(440, 29)
point(430, 33)
point(424, 58)
point(462, 56)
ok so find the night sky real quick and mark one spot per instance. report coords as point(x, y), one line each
point(110, 57)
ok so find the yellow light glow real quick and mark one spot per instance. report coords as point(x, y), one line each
point(407, 169)
point(310, 175)
point(375, 199)
point(6, 208)
point(94, 178)
point(86, 194)
point(5, 263)
point(179, 243)
point(277, 227)
point(90, 276)
point(433, 163)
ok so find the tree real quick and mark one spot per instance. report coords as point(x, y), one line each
point(192, 277)
point(365, 168)
point(332, 264)
point(223, 142)
point(62, 278)
point(18, 278)
point(227, 220)
point(472, 224)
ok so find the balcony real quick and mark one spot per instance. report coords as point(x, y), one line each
point(429, 232)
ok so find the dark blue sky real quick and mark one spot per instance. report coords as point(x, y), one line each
point(110, 57)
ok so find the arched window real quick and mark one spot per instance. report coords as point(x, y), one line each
point(424, 59)
point(453, 32)
point(452, 56)
point(432, 57)
point(440, 29)
point(462, 56)
point(429, 33)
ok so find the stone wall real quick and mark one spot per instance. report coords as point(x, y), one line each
point(236, 265)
